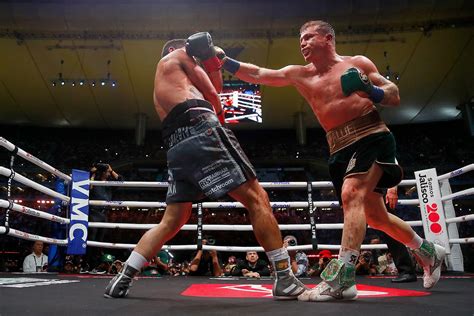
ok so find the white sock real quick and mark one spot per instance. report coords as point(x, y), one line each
point(279, 259)
point(348, 256)
point(136, 260)
point(415, 243)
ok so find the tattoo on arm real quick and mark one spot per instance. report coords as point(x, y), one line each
point(391, 92)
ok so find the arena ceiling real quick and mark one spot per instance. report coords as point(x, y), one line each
point(428, 44)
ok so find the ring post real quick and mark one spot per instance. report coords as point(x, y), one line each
point(9, 185)
point(312, 221)
point(199, 226)
point(455, 260)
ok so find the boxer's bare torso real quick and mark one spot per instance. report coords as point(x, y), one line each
point(172, 83)
point(322, 90)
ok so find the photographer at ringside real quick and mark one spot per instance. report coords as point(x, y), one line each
point(99, 172)
point(366, 265)
point(206, 262)
point(299, 260)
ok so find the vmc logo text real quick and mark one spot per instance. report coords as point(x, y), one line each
point(79, 213)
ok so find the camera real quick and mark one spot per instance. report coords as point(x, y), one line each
point(292, 242)
point(211, 241)
point(367, 256)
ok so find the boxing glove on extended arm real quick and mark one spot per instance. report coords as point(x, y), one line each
point(200, 45)
point(353, 80)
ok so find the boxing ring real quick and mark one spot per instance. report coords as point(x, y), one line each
point(185, 295)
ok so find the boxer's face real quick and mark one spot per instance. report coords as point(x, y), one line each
point(311, 42)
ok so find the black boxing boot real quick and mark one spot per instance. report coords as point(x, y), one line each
point(120, 285)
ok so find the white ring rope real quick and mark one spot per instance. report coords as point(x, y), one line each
point(63, 242)
point(269, 185)
point(220, 227)
point(33, 212)
point(18, 177)
point(468, 240)
point(227, 205)
point(28, 236)
point(227, 248)
point(460, 219)
point(36, 161)
point(462, 193)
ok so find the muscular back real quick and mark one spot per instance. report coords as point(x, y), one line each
point(172, 83)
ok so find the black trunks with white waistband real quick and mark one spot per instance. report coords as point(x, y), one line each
point(204, 158)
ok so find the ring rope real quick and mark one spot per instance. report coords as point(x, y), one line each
point(27, 236)
point(34, 160)
point(221, 227)
point(270, 185)
point(33, 212)
point(32, 184)
point(227, 205)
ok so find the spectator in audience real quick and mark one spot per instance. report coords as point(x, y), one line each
point(252, 266)
point(205, 263)
point(230, 266)
point(401, 258)
point(159, 265)
point(299, 260)
point(365, 264)
point(324, 257)
point(115, 267)
point(37, 261)
point(386, 265)
point(100, 172)
point(106, 262)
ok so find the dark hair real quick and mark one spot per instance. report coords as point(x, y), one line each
point(101, 168)
point(323, 26)
point(175, 43)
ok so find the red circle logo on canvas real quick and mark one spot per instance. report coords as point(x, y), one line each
point(265, 291)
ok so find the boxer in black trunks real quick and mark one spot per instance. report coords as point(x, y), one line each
point(342, 91)
point(204, 160)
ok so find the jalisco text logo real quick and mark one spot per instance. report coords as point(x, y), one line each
point(426, 187)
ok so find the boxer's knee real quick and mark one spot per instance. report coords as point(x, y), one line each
point(352, 195)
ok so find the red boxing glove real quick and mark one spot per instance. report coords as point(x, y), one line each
point(212, 64)
point(221, 117)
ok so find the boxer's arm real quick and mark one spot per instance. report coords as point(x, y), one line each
point(391, 93)
point(270, 77)
point(201, 81)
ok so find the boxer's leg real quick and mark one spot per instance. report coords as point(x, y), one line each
point(255, 199)
point(339, 275)
point(428, 255)
point(265, 227)
point(176, 215)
